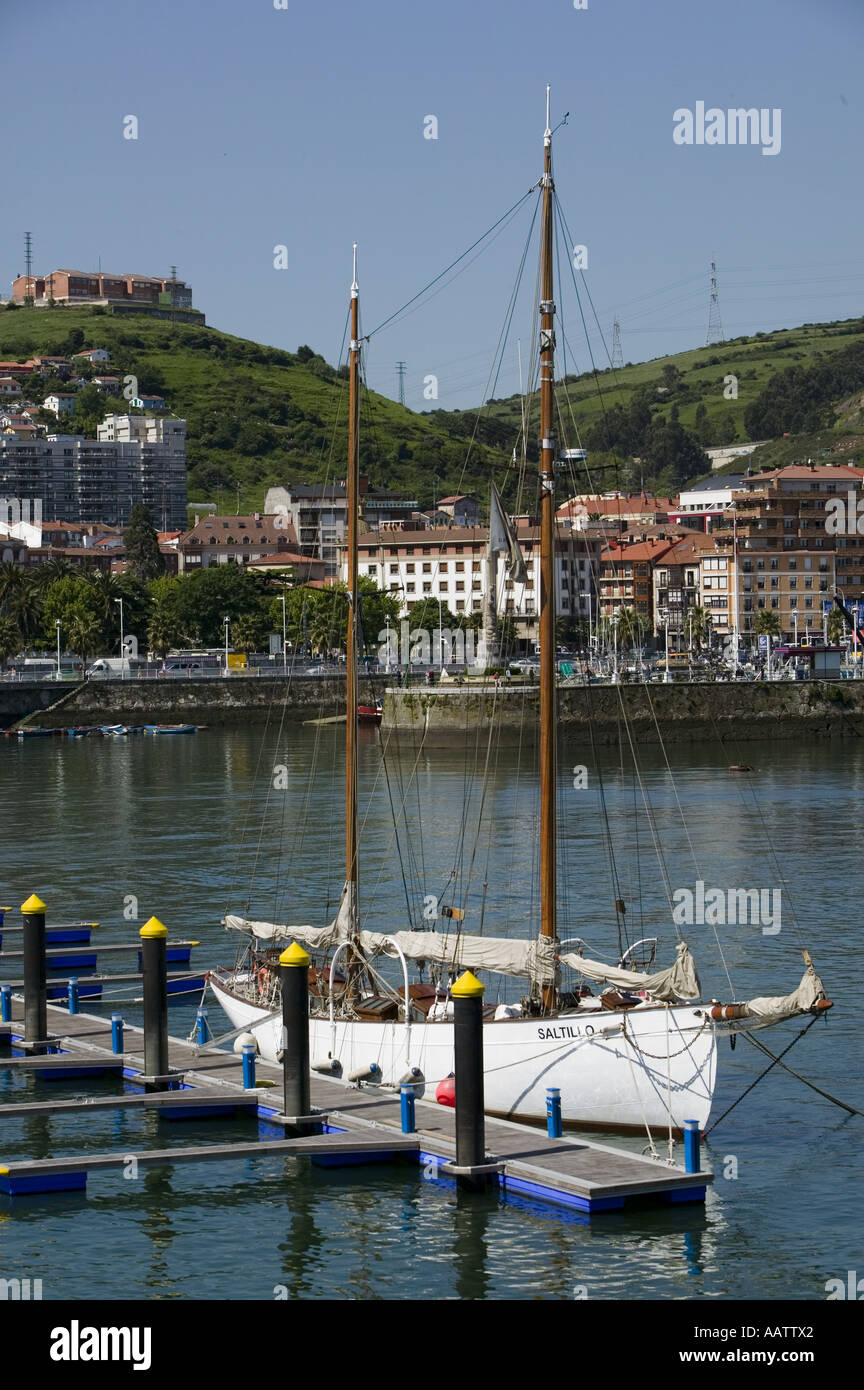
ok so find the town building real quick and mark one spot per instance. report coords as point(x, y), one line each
point(699, 507)
point(319, 514)
point(82, 287)
point(643, 508)
point(240, 540)
point(787, 557)
point(461, 508)
point(99, 480)
point(627, 576)
point(60, 403)
point(677, 585)
point(448, 566)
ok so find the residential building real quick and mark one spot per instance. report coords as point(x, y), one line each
point(93, 355)
point(677, 585)
point(627, 576)
point(461, 508)
point(60, 403)
point(240, 540)
point(9, 387)
point(100, 480)
point(643, 508)
point(699, 507)
point(140, 402)
point(785, 555)
point(448, 565)
point(319, 514)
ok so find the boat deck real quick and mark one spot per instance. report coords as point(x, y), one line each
point(359, 1125)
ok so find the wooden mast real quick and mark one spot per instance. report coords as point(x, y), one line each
point(548, 448)
point(352, 499)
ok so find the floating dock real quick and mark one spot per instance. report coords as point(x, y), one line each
point(357, 1126)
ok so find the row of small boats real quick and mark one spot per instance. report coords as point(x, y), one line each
point(105, 731)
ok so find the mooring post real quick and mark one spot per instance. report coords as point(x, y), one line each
point(407, 1094)
point(201, 1027)
point(35, 994)
point(249, 1050)
point(294, 963)
point(73, 994)
point(467, 995)
point(691, 1146)
point(553, 1112)
point(5, 1003)
point(155, 981)
point(117, 1034)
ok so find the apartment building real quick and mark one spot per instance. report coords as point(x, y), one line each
point(448, 565)
point(785, 555)
point(239, 540)
point(319, 514)
point(87, 480)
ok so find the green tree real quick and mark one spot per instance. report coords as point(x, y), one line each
point(83, 632)
point(836, 627)
point(10, 640)
point(767, 621)
point(697, 622)
point(631, 627)
point(250, 632)
point(143, 556)
point(71, 598)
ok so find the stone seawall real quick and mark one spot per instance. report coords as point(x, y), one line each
point(239, 699)
point(686, 712)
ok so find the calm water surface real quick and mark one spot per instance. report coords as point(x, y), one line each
point(117, 830)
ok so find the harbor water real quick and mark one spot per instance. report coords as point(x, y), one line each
point(118, 829)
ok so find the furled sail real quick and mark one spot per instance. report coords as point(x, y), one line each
point(680, 981)
point(774, 1008)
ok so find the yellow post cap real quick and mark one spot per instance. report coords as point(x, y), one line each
point(294, 955)
point(33, 904)
point(153, 928)
point(467, 987)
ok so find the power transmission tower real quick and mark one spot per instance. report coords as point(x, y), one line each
point(400, 368)
point(715, 327)
point(617, 353)
point(28, 265)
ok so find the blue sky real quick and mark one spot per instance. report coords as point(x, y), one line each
point(304, 127)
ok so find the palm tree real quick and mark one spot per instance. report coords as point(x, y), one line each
point(631, 626)
point(163, 630)
point(11, 579)
point(698, 620)
point(58, 568)
point(767, 621)
point(836, 627)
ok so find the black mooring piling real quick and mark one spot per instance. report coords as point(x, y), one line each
point(294, 969)
point(155, 987)
point(35, 992)
point(467, 995)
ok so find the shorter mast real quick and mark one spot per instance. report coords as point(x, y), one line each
point(352, 491)
point(548, 449)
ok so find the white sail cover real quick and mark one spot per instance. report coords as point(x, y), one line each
point(773, 1008)
point(502, 540)
point(680, 981)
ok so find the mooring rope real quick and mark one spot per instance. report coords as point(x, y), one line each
point(774, 1062)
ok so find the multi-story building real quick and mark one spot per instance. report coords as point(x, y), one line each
point(240, 540)
point(101, 479)
point(448, 565)
point(82, 286)
point(699, 507)
point(319, 514)
point(627, 576)
point(461, 508)
point(677, 585)
point(786, 555)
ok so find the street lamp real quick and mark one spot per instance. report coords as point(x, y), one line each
point(587, 594)
point(284, 649)
point(122, 649)
point(667, 675)
point(57, 625)
point(227, 622)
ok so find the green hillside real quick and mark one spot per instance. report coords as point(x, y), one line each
point(256, 415)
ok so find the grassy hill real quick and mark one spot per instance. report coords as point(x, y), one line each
point(258, 415)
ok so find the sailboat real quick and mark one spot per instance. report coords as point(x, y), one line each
point(642, 1053)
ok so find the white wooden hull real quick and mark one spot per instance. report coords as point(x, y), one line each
point(663, 1066)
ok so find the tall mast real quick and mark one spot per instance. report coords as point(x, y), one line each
point(352, 491)
point(548, 884)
